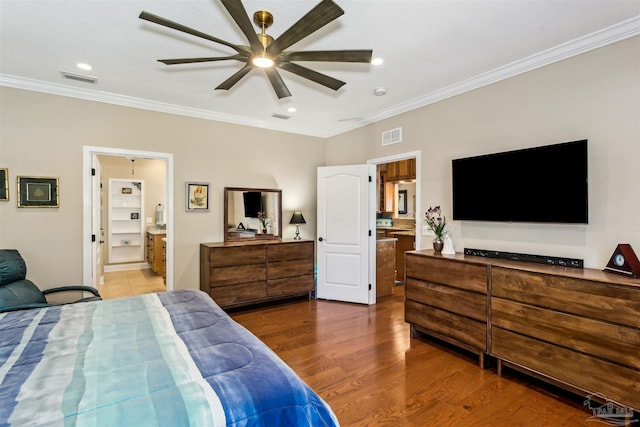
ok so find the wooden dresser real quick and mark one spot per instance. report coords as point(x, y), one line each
point(155, 256)
point(244, 273)
point(576, 328)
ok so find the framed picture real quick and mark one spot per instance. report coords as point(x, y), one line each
point(402, 201)
point(127, 190)
point(197, 196)
point(4, 184)
point(135, 215)
point(38, 192)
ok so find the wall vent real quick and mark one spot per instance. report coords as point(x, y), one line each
point(79, 77)
point(280, 116)
point(392, 136)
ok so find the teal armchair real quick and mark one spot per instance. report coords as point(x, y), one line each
point(18, 293)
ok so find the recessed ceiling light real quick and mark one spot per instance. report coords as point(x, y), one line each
point(84, 66)
point(377, 61)
point(380, 91)
point(291, 109)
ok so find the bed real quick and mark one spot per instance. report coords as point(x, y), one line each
point(166, 359)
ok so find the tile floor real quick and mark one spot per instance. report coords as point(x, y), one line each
point(119, 284)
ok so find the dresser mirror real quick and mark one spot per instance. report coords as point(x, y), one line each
point(252, 214)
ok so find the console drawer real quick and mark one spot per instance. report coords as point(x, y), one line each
point(237, 255)
point(228, 296)
point(615, 343)
point(278, 270)
point(290, 285)
point(455, 300)
point(597, 300)
point(225, 276)
point(459, 328)
point(453, 273)
point(585, 372)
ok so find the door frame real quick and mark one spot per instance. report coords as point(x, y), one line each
point(87, 204)
point(405, 156)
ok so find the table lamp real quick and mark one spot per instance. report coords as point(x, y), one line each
point(297, 219)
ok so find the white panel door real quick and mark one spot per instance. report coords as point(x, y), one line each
point(346, 233)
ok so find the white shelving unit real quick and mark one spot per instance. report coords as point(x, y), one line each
point(126, 224)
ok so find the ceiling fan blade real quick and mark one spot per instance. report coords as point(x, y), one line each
point(325, 12)
point(312, 75)
point(174, 25)
point(278, 84)
point(239, 14)
point(235, 78)
point(328, 56)
point(194, 60)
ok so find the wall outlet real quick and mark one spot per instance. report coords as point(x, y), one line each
point(149, 220)
point(426, 231)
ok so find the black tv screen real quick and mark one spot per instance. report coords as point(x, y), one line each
point(542, 184)
point(252, 203)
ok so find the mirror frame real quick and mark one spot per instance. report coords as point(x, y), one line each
point(228, 238)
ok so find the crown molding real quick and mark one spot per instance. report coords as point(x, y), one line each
point(606, 36)
point(595, 40)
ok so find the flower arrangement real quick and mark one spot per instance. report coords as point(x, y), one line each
point(264, 221)
point(436, 221)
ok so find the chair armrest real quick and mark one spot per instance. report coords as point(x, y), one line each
point(90, 289)
point(24, 307)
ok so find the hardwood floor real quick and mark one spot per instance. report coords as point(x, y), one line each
point(361, 360)
point(119, 284)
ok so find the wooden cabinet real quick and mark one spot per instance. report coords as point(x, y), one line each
point(155, 252)
point(125, 226)
point(402, 170)
point(243, 273)
point(576, 330)
point(406, 242)
point(385, 266)
point(447, 299)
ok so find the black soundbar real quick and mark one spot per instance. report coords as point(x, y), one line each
point(539, 259)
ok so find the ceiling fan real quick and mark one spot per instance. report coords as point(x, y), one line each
point(268, 53)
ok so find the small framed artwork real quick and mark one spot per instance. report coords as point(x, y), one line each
point(38, 192)
point(127, 190)
point(197, 196)
point(135, 215)
point(4, 184)
point(402, 201)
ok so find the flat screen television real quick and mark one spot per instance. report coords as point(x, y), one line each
point(545, 184)
point(252, 203)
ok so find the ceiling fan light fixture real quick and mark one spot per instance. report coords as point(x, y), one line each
point(263, 61)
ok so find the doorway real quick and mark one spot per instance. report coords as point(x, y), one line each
point(91, 208)
point(398, 205)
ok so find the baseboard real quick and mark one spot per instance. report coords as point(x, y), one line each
point(125, 267)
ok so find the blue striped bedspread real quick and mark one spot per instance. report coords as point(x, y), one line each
point(168, 359)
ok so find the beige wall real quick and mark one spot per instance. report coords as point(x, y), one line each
point(44, 135)
point(595, 96)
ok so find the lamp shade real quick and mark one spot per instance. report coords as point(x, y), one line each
point(297, 218)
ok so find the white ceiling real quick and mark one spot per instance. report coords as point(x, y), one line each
point(432, 49)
